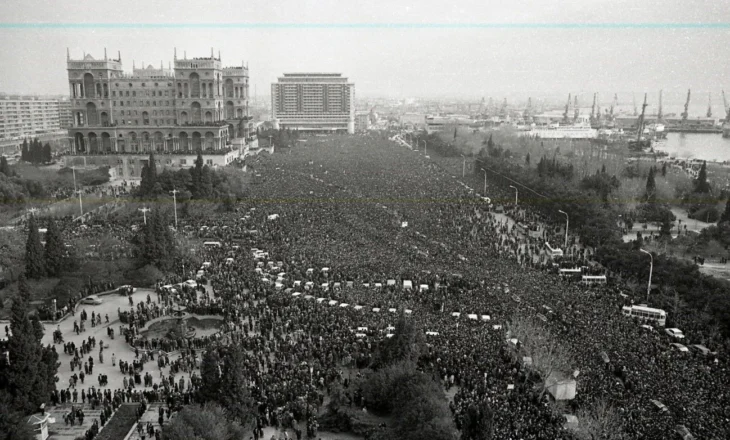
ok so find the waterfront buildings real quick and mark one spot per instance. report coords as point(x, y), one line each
point(314, 102)
point(196, 104)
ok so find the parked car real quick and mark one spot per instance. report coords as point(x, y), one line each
point(674, 332)
point(92, 299)
point(680, 348)
point(701, 349)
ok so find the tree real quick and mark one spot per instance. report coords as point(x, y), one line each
point(55, 250)
point(407, 343)
point(210, 375)
point(197, 174)
point(34, 262)
point(527, 159)
point(13, 424)
point(701, 184)
point(599, 421)
point(664, 169)
point(477, 422)
point(47, 156)
point(5, 167)
point(206, 423)
point(234, 394)
point(725, 217)
point(548, 353)
point(650, 186)
point(455, 131)
point(148, 186)
point(24, 152)
point(30, 377)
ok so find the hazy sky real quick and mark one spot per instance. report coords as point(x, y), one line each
point(418, 61)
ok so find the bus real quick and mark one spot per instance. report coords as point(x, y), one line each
point(556, 252)
point(644, 313)
point(590, 280)
point(212, 244)
point(574, 273)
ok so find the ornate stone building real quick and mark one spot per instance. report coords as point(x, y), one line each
point(197, 105)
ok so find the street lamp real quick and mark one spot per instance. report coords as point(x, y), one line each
point(566, 228)
point(651, 270)
point(425, 148)
point(516, 193)
point(174, 203)
point(78, 191)
point(463, 167)
point(485, 182)
point(144, 210)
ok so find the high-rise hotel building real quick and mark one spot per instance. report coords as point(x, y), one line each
point(315, 102)
point(195, 105)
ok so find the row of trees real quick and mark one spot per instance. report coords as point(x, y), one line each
point(199, 182)
point(51, 260)
point(27, 373)
point(35, 152)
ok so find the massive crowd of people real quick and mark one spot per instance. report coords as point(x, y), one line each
point(358, 231)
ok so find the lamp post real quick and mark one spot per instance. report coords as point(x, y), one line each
point(144, 210)
point(651, 270)
point(566, 228)
point(425, 148)
point(463, 167)
point(81, 204)
point(516, 193)
point(77, 191)
point(485, 182)
point(174, 203)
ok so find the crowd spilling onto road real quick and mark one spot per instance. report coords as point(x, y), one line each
point(344, 235)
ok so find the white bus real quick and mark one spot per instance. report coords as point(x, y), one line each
point(644, 313)
point(554, 252)
point(575, 272)
point(212, 244)
point(593, 279)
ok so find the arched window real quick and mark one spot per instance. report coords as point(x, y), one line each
point(89, 86)
point(91, 116)
point(194, 85)
point(196, 112)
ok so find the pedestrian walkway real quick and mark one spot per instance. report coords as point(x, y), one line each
point(61, 431)
point(150, 416)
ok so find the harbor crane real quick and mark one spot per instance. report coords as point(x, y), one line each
point(709, 106)
point(614, 104)
point(567, 109)
point(593, 107)
point(727, 109)
point(640, 144)
point(660, 113)
point(686, 106)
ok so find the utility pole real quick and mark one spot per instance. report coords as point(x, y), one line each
point(566, 229)
point(485, 182)
point(144, 210)
point(463, 167)
point(516, 193)
point(651, 269)
point(174, 204)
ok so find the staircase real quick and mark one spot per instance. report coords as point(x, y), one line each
point(151, 415)
point(61, 431)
